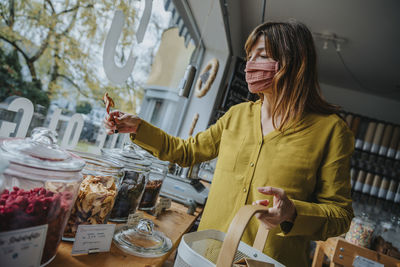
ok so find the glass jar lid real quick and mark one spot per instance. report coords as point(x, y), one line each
point(127, 157)
point(142, 240)
point(97, 163)
point(140, 151)
point(40, 151)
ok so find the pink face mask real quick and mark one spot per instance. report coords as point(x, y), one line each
point(259, 75)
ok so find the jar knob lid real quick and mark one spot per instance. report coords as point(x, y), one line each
point(44, 135)
point(129, 147)
point(145, 227)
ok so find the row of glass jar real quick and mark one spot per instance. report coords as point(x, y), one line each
point(382, 236)
point(138, 179)
point(46, 185)
point(376, 224)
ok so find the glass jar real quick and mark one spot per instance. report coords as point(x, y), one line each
point(41, 184)
point(136, 177)
point(361, 231)
point(387, 238)
point(97, 193)
point(158, 172)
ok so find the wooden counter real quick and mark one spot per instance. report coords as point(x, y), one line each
point(173, 223)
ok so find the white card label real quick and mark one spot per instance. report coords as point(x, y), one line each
point(93, 238)
point(22, 247)
point(364, 262)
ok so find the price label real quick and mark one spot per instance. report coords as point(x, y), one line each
point(364, 262)
point(22, 247)
point(93, 238)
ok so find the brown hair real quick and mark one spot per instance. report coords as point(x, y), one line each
point(295, 87)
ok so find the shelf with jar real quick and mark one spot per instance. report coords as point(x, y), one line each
point(375, 181)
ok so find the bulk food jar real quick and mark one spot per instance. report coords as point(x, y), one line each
point(387, 238)
point(130, 193)
point(158, 172)
point(361, 231)
point(97, 193)
point(40, 186)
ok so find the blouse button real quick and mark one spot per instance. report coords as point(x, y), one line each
point(244, 190)
point(252, 164)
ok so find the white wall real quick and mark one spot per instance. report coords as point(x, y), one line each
point(204, 106)
point(209, 19)
point(364, 104)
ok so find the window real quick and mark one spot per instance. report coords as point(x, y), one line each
point(51, 64)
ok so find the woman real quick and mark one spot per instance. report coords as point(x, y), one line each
point(289, 150)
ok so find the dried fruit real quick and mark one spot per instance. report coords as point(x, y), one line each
point(108, 102)
point(94, 202)
point(27, 208)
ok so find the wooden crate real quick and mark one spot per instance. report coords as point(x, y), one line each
point(342, 253)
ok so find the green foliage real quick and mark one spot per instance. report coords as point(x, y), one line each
point(12, 82)
point(60, 42)
point(83, 107)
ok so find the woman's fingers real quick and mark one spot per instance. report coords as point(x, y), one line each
point(108, 124)
point(269, 190)
point(122, 116)
point(263, 202)
point(115, 113)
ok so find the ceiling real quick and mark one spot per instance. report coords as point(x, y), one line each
point(371, 29)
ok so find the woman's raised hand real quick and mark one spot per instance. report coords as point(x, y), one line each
point(121, 122)
point(282, 209)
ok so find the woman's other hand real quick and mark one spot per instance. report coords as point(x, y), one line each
point(282, 209)
point(121, 122)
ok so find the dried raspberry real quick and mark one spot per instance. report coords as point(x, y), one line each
point(42, 191)
point(25, 208)
point(30, 208)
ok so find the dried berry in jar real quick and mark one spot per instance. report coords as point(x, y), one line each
point(129, 195)
point(27, 208)
point(151, 193)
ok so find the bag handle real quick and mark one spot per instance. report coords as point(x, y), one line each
point(235, 233)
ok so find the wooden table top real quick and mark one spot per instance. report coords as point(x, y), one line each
point(173, 223)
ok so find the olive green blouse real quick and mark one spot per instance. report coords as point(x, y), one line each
point(310, 162)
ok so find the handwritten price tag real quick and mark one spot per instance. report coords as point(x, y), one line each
point(93, 238)
point(22, 247)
